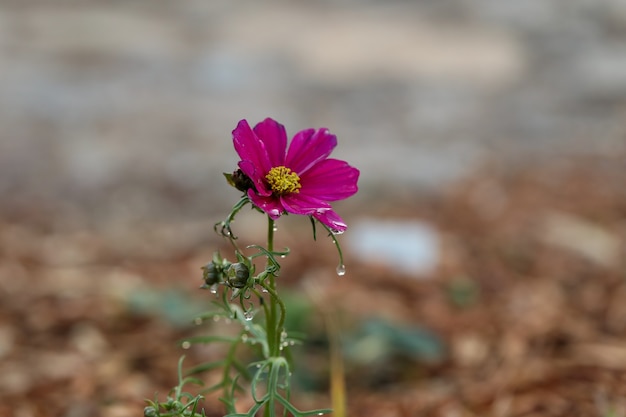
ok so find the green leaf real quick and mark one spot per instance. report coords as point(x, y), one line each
point(379, 340)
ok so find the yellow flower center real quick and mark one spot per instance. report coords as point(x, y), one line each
point(283, 181)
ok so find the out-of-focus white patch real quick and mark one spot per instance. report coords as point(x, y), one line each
point(407, 246)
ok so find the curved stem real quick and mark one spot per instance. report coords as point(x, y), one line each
point(283, 311)
point(260, 297)
point(335, 242)
point(225, 229)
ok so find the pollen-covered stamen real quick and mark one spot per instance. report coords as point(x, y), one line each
point(283, 181)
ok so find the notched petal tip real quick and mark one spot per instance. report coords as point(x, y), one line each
point(249, 147)
point(274, 137)
point(331, 220)
point(308, 147)
point(268, 204)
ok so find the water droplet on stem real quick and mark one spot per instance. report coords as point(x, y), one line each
point(341, 270)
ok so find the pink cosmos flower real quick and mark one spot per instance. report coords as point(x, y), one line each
point(298, 179)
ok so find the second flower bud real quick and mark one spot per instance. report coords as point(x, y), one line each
point(237, 275)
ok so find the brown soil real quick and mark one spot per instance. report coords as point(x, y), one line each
point(541, 251)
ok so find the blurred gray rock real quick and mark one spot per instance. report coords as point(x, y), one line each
point(128, 106)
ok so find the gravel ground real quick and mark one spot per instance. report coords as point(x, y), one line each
point(523, 314)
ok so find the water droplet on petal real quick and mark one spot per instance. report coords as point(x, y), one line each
point(186, 344)
point(337, 232)
point(341, 270)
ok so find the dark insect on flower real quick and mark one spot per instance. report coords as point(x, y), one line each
point(239, 180)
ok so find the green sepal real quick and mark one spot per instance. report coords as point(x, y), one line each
point(229, 179)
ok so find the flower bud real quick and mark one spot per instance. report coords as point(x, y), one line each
point(150, 412)
point(238, 274)
point(211, 274)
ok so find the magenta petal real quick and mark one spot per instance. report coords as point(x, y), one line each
point(331, 220)
point(297, 203)
point(330, 180)
point(308, 147)
point(274, 137)
point(270, 205)
point(251, 148)
point(250, 170)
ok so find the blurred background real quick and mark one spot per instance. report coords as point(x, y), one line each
point(487, 239)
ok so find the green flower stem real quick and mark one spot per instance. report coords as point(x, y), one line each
point(271, 317)
point(275, 321)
